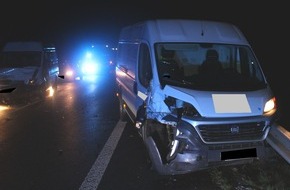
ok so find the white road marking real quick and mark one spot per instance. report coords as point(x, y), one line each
point(95, 174)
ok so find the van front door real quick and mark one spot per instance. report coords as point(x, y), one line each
point(144, 78)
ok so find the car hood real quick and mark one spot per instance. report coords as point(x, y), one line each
point(10, 76)
point(222, 104)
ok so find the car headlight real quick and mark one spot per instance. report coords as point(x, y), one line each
point(270, 106)
point(69, 73)
point(181, 108)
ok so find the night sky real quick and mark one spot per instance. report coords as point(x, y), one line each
point(69, 24)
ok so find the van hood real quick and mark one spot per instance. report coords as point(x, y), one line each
point(10, 76)
point(222, 104)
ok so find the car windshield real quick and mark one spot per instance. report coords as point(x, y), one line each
point(208, 66)
point(20, 59)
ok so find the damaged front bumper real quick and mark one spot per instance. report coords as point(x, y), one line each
point(186, 146)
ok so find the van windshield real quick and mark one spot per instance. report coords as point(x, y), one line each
point(20, 59)
point(204, 66)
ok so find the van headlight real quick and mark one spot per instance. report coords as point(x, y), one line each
point(181, 108)
point(189, 110)
point(270, 106)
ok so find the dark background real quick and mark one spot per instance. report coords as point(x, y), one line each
point(70, 24)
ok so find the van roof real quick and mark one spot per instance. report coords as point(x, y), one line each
point(23, 46)
point(180, 30)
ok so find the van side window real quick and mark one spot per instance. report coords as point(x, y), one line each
point(144, 69)
point(127, 57)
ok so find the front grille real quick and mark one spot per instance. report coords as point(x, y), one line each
point(232, 132)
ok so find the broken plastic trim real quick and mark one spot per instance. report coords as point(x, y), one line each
point(181, 108)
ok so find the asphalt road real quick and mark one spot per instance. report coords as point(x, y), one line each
point(52, 143)
point(75, 140)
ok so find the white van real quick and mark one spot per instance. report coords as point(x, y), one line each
point(196, 93)
point(26, 67)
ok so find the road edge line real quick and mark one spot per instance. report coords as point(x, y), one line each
point(96, 172)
